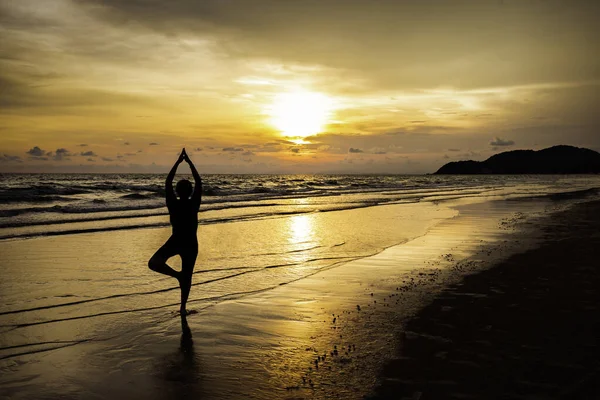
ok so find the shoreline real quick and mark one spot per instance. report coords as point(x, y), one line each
point(390, 287)
point(525, 328)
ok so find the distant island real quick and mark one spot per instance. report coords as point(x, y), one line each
point(553, 160)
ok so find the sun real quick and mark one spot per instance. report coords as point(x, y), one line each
point(300, 114)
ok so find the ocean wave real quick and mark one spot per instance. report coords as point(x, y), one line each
point(136, 196)
point(61, 227)
point(35, 200)
point(94, 206)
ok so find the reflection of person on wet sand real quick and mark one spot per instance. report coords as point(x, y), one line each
point(183, 213)
point(182, 369)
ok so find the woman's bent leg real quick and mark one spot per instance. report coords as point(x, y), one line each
point(158, 262)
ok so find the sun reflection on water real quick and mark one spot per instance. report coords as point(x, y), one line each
point(301, 229)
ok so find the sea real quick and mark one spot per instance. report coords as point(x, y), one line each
point(34, 205)
point(255, 231)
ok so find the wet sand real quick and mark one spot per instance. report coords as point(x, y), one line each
point(326, 336)
point(526, 329)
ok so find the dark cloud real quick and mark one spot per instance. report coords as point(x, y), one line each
point(501, 142)
point(35, 151)
point(353, 150)
point(88, 154)
point(248, 153)
point(107, 159)
point(198, 149)
point(126, 143)
point(91, 160)
point(83, 145)
point(8, 158)
point(153, 144)
point(453, 149)
point(295, 150)
point(233, 149)
point(61, 154)
point(338, 34)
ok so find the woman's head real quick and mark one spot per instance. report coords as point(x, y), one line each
point(184, 189)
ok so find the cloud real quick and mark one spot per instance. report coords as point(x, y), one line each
point(248, 153)
point(45, 96)
point(126, 143)
point(233, 149)
point(453, 149)
point(61, 154)
point(295, 150)
point(469, 155)
point(292, 31)
point(378, 150)
point(198, 149)
point(107, 159)
point(153, 144)
point(8, 158)
point(501, 142)
point(88, 154)
point(35, 151)
point(91, 160)
point(354, 150)
point(83, 145)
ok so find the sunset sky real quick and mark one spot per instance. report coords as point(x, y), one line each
point(291, 86)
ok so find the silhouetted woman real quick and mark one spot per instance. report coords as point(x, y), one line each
point(183, 213)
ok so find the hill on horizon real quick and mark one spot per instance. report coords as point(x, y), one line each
point(561, 159)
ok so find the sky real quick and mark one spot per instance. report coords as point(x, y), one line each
point(292, 86)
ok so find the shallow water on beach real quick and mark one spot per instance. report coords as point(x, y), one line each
point(86, 304)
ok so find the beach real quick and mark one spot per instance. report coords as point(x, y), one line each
point(288, 305)
point(526, 328)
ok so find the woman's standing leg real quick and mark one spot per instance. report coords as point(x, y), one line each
point(188, 260)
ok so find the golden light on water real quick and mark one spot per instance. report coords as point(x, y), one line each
point(301, 229)
point(299, 114)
